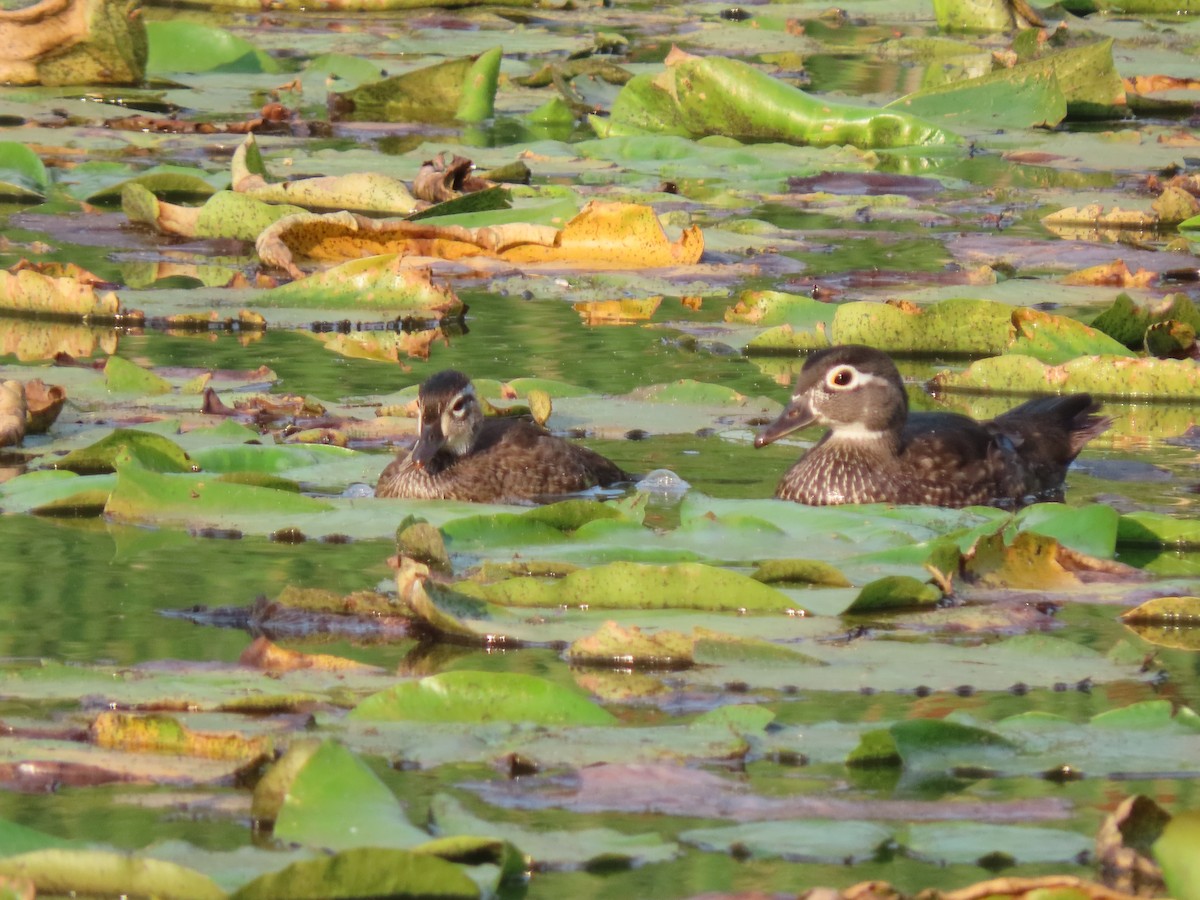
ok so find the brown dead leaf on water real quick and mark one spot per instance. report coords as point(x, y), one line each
point(57, 42)
point(263, 654)
point(12, 413)
point(1179, 139)
point(43, 403)
point(1034, 561)
point(1149, 84)
point(603, 235)
point(54, 289)
point(1113, 274)
point(1100, 216)
point(439, 180)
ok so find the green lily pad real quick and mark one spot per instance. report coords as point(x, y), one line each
point(144, 496)
point(364, 872)
point(1175, 852)
point(796, 840)
point(23, 177)
point(482, 697)
point(894, 592)
point(456, 88)
point(714, 95)
point(124, 377)
point(556, 848)
point(99, 872)
point(146, 449)
point(805, 571)
point(1102, 376)
point(335, 802)
point(969, 842)
point(179, 45)
point(623, 585)
point(1017, 100)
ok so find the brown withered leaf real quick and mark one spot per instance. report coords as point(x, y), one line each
point(59, 290)
point(1036, 562)
point(165, 734)
point(43, 403)
point(1095, 214)
point(1124, 847)
point(438, 180)
point(1113, 274)
point(603, 235)
point(57, 42)
point(12, 413)
point(263, 654)
point(1149, 84)
point(1175, 204)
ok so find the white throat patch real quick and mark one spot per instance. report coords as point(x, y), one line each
point(857, 431)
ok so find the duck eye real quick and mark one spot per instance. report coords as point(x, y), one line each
point(459, 405)
point(841, 377)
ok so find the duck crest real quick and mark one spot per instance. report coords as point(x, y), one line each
point(875, 451)
point(462, 455)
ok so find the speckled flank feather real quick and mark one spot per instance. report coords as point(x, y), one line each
point(876, 452)
point(501, 460)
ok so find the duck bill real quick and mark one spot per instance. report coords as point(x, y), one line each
point(429, 442)
point(797, 414)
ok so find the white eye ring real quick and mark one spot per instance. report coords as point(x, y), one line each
point(841, 378)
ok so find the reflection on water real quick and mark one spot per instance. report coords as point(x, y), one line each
point(93, 590)
point(30, 340)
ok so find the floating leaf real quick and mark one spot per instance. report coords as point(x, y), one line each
point(975, 842)
point(1010, 98)
point(624, 585)
point(1176, 853)
point(124, 377)
point(148, 450)
point(179, 45)
point(164, 734)
point(614, 645)
point(893, 592)
point(482, 697)
point(556, 848)
point(605, 235)
point(144, 496)
point(376, 282)
point(714, 95)
point(1030, 561)
point(364, 872)
point(805, 571)
point(334, 801)
point(23, 177)
point(99, 873)
point(437, 93)
point(1102, 376)
point(59, 291)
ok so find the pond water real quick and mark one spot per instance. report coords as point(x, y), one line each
point(120, 602)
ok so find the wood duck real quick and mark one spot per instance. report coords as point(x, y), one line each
point(460, 455)
point(877, 452)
